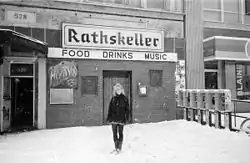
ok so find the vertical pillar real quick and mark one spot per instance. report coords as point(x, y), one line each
point(200, 106)
point(208, 107)
point(230, 79)
point(228, 120)
point(194, 44)
point(42, 92)
point(221, 75)
point(218, 105)
point(185, 104)
point(193, 105)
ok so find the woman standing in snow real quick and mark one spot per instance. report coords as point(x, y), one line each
point(118, 114)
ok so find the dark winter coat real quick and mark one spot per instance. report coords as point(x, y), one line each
point(118, 110)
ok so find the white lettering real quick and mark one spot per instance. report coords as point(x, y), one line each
point(239, 78)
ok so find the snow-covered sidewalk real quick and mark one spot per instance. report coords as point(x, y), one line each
point(173, 142)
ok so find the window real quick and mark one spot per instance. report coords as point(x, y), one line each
point(89, 85)
point(242, 72)
point(95, 0)
point(168, 5)
point(155, 78)
point(135, 3)
point(211, 80)
point(111, 1)
point(232, 6)
point(159, 4)
point(214, 4)
point(247, 7)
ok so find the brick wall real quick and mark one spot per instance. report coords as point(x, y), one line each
point(87, 110)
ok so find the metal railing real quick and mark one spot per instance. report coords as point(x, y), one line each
point(235, 110)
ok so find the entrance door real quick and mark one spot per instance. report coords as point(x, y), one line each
point(110, 78)
point(22, 103)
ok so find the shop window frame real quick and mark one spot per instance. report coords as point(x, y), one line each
point(247, 7)
point(94, 90)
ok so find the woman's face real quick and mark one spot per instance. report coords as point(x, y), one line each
point(118, 91)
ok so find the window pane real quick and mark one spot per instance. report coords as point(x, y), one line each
point(155, 78)
point(115, 1)
point(212, 4)
point(212, 15)
point(247, 6)
point(232, 5)
point(211, 80)
point(231, 18)
point(89, 85)
point(95, 0)
point(119, 1)
point(159, 4)
point(174, 5)
point(135, 3)
point(108, 1)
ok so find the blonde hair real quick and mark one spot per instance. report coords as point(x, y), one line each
point(118, 86)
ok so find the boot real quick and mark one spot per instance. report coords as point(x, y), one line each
point(120, 145)
point(116, 145)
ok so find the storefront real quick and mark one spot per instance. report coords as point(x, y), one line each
point(92, 59)
point(22, 95)
point(229, 59)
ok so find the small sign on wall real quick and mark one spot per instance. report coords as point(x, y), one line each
point(63, 74)
point(20, 69)
point(61, 96)
point(20, 17)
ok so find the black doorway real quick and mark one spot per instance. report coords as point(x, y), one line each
point(109, 80)
point(21, 103)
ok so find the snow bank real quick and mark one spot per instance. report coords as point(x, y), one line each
point(173, 141)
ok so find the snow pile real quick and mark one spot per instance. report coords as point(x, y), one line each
point(173, 141)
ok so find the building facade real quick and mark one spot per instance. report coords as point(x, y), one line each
point(226, 39)
point(95, 43)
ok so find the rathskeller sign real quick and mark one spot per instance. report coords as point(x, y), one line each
point(102, 37)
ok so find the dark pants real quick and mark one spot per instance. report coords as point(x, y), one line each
point(117, 128)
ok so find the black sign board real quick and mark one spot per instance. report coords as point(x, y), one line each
point(19, 69)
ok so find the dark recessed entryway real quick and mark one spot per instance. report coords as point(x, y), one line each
point(110, 78)
point(21, 103)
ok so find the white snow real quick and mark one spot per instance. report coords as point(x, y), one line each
point(169, 141)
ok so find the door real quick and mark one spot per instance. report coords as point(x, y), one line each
point(110, 78)
point(22, 103)
point(6, 105)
